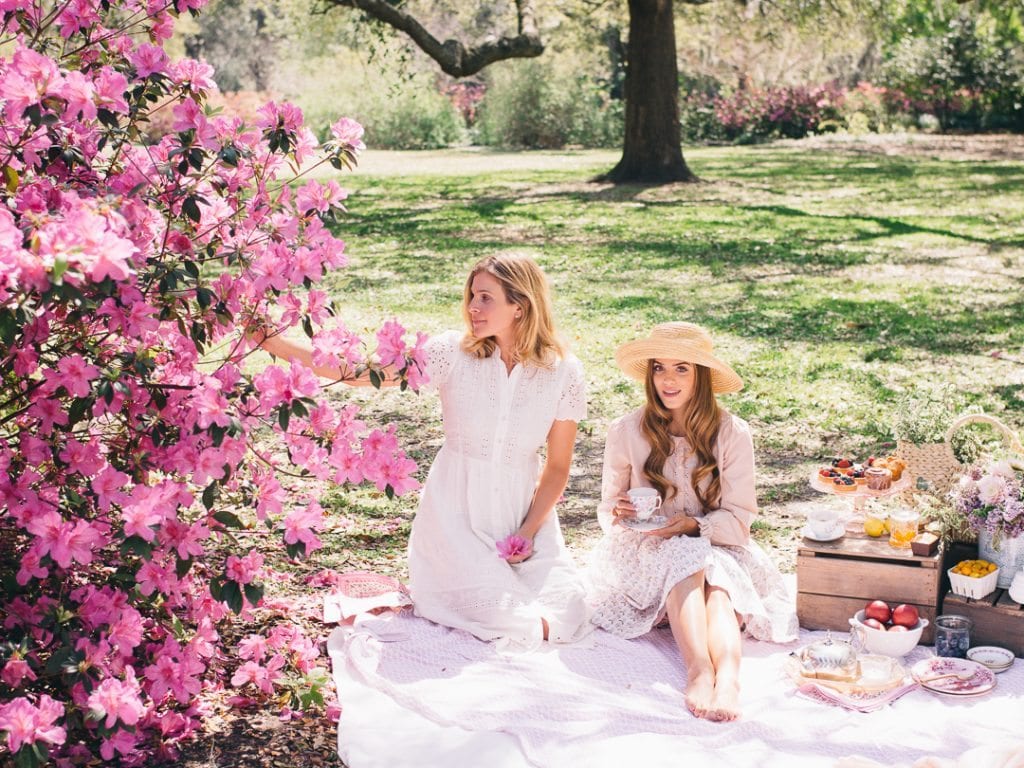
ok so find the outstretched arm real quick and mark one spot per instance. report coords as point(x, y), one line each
point(291, 351)
point(553, 479)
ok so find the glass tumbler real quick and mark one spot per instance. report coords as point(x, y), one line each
point(902, 528)
point(953, 636)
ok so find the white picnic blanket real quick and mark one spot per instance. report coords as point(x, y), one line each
point(417, 694)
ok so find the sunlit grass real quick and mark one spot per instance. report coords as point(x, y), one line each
point(833, 279)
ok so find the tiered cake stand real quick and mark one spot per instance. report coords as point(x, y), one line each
point(860, 493)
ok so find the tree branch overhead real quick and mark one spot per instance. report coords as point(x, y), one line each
point(453, 56)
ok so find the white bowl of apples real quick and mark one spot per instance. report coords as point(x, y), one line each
point(888, 631)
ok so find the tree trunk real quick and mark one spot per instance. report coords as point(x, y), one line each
point(652, 150)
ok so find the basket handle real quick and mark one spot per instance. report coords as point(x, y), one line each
point(983, 418)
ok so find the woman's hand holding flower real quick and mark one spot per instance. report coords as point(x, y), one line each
point(515, 548)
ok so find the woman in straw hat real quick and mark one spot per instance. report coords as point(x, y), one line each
point(507, 387)
point(693, 563)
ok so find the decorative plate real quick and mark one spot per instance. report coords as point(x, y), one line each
point(995, 658)
point(957, 677)
point(652, 523)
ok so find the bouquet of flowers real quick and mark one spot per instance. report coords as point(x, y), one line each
point(990, 497)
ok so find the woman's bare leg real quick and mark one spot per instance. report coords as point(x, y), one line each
point(726, 649)
point(688, 618)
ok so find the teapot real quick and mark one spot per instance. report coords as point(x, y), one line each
point(830, 659)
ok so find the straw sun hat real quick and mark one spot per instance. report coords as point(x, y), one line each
point(677, 341)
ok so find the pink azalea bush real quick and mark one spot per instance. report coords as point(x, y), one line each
point(129, 274)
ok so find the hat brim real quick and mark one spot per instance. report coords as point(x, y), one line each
point(632, 358)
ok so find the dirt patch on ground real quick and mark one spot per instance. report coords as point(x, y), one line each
point(972, 148)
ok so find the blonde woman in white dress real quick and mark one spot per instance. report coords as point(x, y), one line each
point(700, 568)
point(507, 387)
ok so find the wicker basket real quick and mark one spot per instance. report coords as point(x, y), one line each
point(935, 464)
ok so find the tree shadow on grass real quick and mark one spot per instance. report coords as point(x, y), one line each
point(889, 227)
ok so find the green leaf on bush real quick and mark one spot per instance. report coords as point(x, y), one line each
point(189, 206)
point(137, 545)
point(230, 519)
point(231, 596)
point(183, 567)
point(375, 379)
point(254, 593)
point(283, 415)
point(210, 494)
point(11, 179)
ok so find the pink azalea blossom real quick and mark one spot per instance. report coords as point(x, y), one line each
point(299, 527)
point(348, 132)
point(26, 723)
point(390, 345)
point(15, 671)
point(263, 677)
point(244, 569)
point(74, 374)
point(514, 546)
point(117, 700)
point(148, 60)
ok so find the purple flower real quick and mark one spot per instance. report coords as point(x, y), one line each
point(514, 546)
point(991, 498)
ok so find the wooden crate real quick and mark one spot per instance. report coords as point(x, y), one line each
point(998, 620)
point(835, 579)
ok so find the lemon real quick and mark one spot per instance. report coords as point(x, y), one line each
point(874, 527)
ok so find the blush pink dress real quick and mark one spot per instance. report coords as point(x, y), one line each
point(478, 492)
point(631, 574)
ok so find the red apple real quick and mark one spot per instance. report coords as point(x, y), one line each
point(905, 615)
point(878, 610)
point(874, 624)
point(898, 628)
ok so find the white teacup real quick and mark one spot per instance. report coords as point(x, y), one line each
point(645, 501)
point(822, 522)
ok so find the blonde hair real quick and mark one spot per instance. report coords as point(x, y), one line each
point(701, 420)
point(535, 341)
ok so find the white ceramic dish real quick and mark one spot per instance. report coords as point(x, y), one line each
point(995, 658)
point(956, 677)
point(834, 534)
point(652, 523)
point(888, 643)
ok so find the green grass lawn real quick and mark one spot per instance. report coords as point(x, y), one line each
point(835, 277)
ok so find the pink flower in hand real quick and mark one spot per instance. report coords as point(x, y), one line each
point(514, 546)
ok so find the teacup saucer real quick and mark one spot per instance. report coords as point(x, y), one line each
point(834, 534)
point(650, 524)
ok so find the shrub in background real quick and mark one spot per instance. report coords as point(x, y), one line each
point(752, 114)
point(540, 104)
point(966, 76)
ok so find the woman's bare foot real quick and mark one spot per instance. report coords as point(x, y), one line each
point(725, 705)
point(700, 692)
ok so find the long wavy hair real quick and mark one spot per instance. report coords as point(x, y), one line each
point(701, 419)
point(536, 342)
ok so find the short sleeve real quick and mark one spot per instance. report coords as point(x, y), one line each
point(572, 402)
point(441, 352)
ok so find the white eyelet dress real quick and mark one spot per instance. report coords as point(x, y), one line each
point(479, 490)
point(631, 574)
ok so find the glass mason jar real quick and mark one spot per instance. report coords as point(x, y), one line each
point(953, 635)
